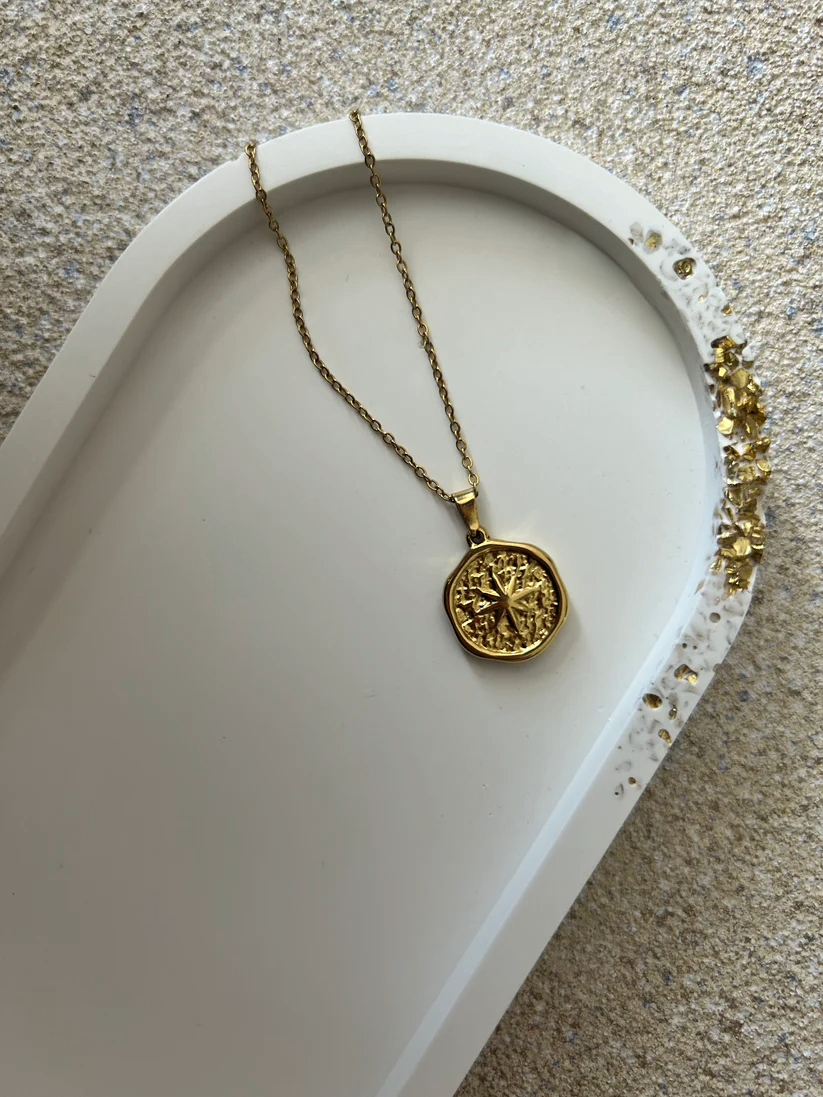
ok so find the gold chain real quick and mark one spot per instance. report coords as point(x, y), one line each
point(416, 311)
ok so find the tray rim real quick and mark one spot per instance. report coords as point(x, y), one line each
point(96, 356)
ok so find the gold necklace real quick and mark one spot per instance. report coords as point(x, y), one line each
point(505, 600)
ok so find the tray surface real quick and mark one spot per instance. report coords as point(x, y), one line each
point(241, 747)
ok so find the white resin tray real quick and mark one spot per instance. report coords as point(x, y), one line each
point(267, 828)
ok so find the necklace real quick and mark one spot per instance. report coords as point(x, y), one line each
point(505, 600)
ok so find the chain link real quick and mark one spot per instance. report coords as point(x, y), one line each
point(416, 311)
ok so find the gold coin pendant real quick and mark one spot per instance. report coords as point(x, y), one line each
point(505, 600)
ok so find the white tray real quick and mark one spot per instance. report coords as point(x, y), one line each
point(267, 828)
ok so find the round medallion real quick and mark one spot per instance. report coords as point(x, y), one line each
point(505, 600)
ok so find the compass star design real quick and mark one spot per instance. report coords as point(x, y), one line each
point(505, 602)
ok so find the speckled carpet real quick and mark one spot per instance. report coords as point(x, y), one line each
point(691, 962)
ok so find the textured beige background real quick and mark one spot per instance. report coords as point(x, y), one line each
point(691, 963)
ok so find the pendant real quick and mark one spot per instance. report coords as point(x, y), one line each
point(505, 600)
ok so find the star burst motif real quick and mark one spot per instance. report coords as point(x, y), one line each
point(505, 602)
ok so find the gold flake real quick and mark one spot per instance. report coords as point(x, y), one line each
point(741, 378)
point(652, 700)
point(664, 735)
point(747, 473)
point(653, 241)
point(684, 268)
point(685, 673)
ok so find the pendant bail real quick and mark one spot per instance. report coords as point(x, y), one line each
point(466, 503)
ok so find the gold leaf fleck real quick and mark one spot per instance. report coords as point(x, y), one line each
point(741, 378)
point(728, 400)
point(685, 673)
point(747, 473)
point(652, 700)
point(752, 425)
point(684, 268)
point(664, 735)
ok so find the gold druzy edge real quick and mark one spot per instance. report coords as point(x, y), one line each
point(562, 600)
